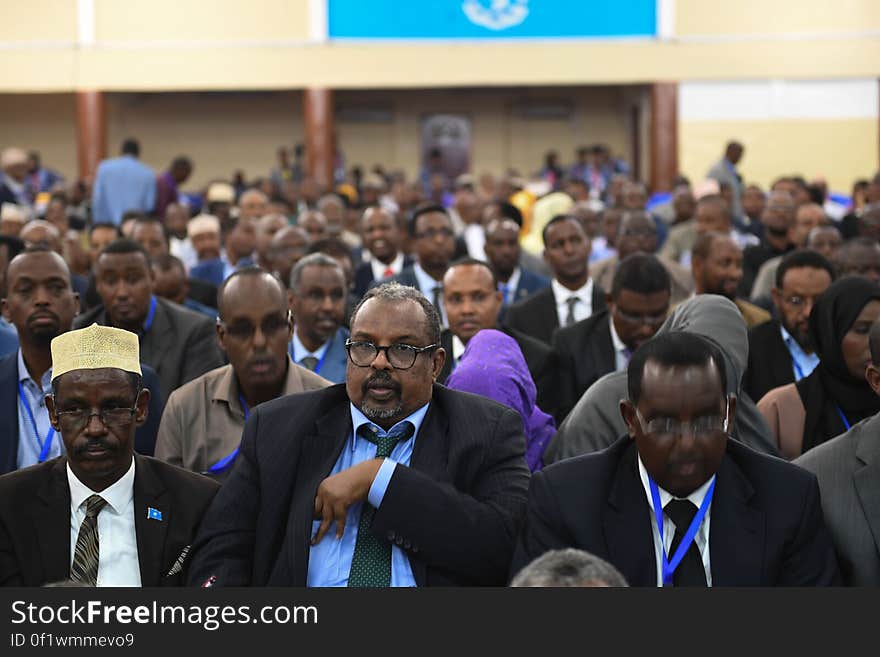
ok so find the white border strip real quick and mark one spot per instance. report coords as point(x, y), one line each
point(666, 19)
point(319, 27)
point(85, 22)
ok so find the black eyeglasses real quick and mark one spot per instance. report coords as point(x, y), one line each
point(431, 233)
point(401, 356)
point(77, 419)
point(244, 330)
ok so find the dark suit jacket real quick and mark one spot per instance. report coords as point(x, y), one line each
point(181, 345)
point(529, 283)
point(144, 437)
point(848, 469)
point(407, 276)
point(363, 276)
point(455, 511)
point(35, 521)
point(536, 315)
point(769, 364)
point(584, 353)
point(539, 359)
point(766, 524)
point(203, 292)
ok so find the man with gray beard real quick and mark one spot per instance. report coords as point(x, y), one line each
point(378, 481)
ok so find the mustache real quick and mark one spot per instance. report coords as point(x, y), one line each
point(91, 443)
point(380, 379)
point(43, 313)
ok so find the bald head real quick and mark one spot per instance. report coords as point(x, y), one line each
point(252, 204)
point(41, 232)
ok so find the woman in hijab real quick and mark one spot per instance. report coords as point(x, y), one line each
point(493, 366)
point(595, 422)
point(836, 395)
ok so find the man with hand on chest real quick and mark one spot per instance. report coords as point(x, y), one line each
point(385, 480)
point(99, 515)
point(678, 503)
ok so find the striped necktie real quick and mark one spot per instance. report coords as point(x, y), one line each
point(84, 568)
point(371, 562)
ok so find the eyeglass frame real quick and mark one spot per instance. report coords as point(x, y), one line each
point(725, 423)
point(60, 415)
point(416, 352)
point(250, 336)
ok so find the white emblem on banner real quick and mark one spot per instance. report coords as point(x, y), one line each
point(496, 14)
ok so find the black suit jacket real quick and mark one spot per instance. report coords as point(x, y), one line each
point(769, 364)
point(766, 524)
point(536, 315)
point(180, 346)
point(144, 437)
point(584, 352)
point(539, 359)
point(363, 276)
point(455, 511)
point(35, 521)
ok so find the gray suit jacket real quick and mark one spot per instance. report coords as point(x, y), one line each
point(180, 345)
point(848, 469)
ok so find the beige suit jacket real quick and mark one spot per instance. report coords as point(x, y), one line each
point(203, 419)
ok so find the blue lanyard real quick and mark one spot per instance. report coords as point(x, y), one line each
point(843, 417)
point(45, 445)
point(150, 315)
point(797, 369)
point(226, 462)
point(670, 566)
point(320, 363)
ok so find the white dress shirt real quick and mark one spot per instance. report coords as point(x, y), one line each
point(621, 359)
point(475, 239)
point(702, 536)
point(510, 286)
point(118, 563)
point(582, 309)
point(379, 267)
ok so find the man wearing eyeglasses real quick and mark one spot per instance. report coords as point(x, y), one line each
point(99, 515)
point(603, 343)
point(782, 351)
point(676, 503)
point(203, 420)
point(385, 480)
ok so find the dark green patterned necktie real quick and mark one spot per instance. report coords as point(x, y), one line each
point(371, 562)
point(86, 553)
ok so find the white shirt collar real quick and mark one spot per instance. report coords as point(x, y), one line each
point(118, 495)
point(300, 351)
point(619, 346)
point(562, 293)
point(696, 497)
point(379, 267)
point(513, 282)
point(458, 348)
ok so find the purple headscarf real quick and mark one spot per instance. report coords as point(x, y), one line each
point(493, 366)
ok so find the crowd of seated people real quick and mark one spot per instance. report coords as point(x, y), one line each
point(392, 382)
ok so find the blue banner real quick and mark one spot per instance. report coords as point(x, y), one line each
point(490, 19)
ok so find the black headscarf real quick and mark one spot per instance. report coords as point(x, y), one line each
point(831, 389)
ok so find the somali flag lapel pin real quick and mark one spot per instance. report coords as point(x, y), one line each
point(154, 514)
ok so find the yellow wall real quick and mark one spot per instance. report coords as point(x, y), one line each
point(840, 150)
point(42, 122)
point(776, 17)
point(153, 45)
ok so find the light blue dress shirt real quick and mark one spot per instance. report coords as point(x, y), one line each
point(298, 350)
point(802, 363)
point(426, 286)
point(330, 560)
point(121, 184)
point(29, 445)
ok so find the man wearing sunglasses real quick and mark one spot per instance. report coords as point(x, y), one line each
point(99, 515)
point(385, 480)
point(676, 502)
point(203, 420)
